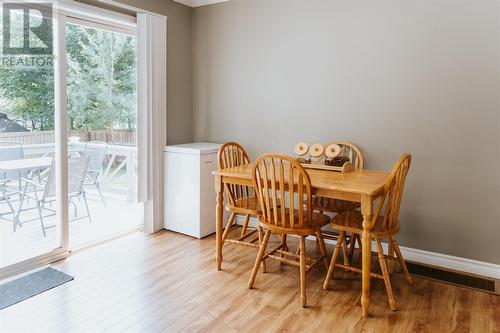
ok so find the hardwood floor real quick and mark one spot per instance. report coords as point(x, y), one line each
point(168, 282)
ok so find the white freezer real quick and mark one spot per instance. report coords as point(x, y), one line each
point(189, 188)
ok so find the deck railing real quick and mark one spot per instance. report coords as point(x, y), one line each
point(114, 136)
point(119, 157)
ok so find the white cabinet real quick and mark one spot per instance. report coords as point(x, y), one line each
point(189, 188)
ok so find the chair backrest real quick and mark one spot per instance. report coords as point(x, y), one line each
point(352, 152)
point(277, 178)
point(232, 154)
point(11, 150)
point(77, 168)
point(390, 201)
point(97, 151)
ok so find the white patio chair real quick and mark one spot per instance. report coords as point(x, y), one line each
point(77, 169)
point(97, 151)
point(10, 150)
point(6, 194)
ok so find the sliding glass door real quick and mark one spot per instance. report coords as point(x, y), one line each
point(32, 207)
point(67, 130)
point(102, 118)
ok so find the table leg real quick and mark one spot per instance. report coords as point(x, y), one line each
point(219, 188)
point(366, 210)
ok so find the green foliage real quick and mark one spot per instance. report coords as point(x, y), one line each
point(101, 79)
point(30, 95)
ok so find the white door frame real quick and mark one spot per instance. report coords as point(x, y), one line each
point(66, 11)
point(61, 250)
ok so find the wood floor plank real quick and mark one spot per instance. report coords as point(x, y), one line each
point(169, 283)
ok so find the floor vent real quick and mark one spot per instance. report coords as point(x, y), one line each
point(461, 279)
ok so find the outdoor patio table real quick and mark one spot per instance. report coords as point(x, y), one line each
point(25, 164)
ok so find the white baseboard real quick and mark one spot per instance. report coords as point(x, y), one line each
point(444, 261)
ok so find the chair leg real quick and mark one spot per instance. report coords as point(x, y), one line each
point(322, 248)
point(286, 244)
point(245, 225)
point(260, 231)
point(12, 210)
point(75, 209)
point(283, 246)
point(390, 253)
point(258, 260)
point(100, 193)
point(402, 262)
point(352, 246)
point(344, 252)
point(84, 195)
point(228, 227)
point(39, 206)
point(360, 244)
point(385, 273)
point(335, 255)
point(303, 298)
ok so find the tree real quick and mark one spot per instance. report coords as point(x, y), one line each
point(28, 91)
point(101, 79)
point(30, 95)
point(101, 85)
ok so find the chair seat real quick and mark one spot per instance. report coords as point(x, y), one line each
point(333, 205)
point(245, 206)
point(352, 221)
point(318, 221)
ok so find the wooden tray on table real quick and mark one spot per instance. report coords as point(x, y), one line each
point(316, 157)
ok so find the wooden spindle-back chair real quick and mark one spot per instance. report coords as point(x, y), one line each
point(384, 224)
point(352, 152)
point(328, 205)
point(241, 199)
point(282, 184)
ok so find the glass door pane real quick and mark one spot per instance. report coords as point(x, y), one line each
point(29, 226)
point(102, 126)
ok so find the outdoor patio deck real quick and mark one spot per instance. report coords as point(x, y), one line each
point(117, 217)
point(122, 213)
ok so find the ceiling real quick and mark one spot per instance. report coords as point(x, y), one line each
point(197, 3)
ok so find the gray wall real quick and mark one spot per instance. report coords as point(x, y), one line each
point(179, 66)
point(391, 76)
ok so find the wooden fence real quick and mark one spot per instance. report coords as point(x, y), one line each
point(119, 137)
point(113, 136)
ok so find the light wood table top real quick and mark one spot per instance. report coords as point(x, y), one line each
point(368, 182)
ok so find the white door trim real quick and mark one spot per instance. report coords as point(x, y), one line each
point(61, 126)
point(64, 11)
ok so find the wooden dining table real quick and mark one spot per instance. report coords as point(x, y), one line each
point(358, 186)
